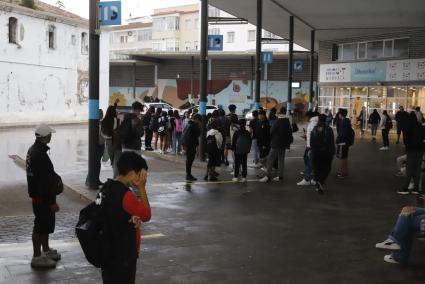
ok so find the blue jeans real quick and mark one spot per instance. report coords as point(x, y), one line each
point(177, 142)
point(308, 165)
point(404, 231)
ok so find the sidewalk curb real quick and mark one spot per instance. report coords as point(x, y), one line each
point(7, 126)
point(174, 159)
point(82, 195)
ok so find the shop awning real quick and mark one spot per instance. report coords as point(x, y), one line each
point(332, 19)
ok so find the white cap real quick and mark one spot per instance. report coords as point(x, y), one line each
point(43, 130)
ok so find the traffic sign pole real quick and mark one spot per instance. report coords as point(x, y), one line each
point(290, 62)
point(203, 77)
point(92, 179)
point(258, 55)
point(310, 101)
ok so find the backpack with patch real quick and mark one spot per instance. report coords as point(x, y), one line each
point(125, 130)
point(243, 144)
point(179, 125)
point(91, 232)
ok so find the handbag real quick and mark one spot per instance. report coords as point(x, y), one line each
point(294, 127)
point(58, 184)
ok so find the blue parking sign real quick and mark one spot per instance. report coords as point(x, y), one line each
point(298, 66)
point(110, 13)
point(267, 57)
point(215, 42)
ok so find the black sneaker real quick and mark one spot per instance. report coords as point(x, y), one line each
point(319, 188)
point(213, 178)
point(191, 178)
point(403, 191)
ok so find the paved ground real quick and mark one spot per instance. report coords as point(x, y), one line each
point(238, 233)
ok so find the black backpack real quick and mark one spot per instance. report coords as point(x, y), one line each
point(91, 232)
point(211, 144)
point(126, 130)
point(322, 139)
point(351, 136)
point(243, 144)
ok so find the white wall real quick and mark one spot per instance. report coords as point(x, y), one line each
point(41, 84)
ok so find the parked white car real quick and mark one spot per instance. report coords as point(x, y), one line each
point(210, 109)
point(165, 107)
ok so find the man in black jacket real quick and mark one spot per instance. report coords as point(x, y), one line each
point(281, 139)
point(148, 131)
point(263, 136)
point(42, 179)
point(401, 117)
point(190, 140)
point(131, 130)
point(414, 142)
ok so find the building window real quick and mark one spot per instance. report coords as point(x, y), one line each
point(123, 39)
point(144, 35)
point(214, 31)
point(84, 43)
point(196, 23)
point(372, 50)
point(213, 12)
point(231, 37)
point(375, 49)
point(188, 24)
point(187, 45)
point(166, 24)
point(157, 46)
point(73, 40)
point(172, 46)
point(251, 35)
point(401, 47)
point(196, 45)
point(13, 30)
point(52, 35)
point(362, 50)
point(269, 35)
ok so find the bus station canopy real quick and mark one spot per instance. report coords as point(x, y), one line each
point(331, 19)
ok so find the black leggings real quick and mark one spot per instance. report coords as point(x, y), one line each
point(386, 140)
point(322, 163)
point(241, 160)
point(190, 157)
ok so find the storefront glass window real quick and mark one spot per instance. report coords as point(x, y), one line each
point(416, 97)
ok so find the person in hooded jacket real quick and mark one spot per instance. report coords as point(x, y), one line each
point(322, 145)
point(414, 141)
point(263, 137)
point(241, 146)
point(213, 150)
point(308, 173)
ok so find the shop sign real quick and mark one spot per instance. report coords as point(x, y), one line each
point(335, 73)
point(368, 72)
point(406, 70)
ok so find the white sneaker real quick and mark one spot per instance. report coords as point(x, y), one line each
point(53, 254)
point(235, 179)
point(243, 179)
point(384, 148)
point(388, 244)
point(389, 258)
point(43, 261)
point(304, 182)
point(277, 179)
point(264, 179)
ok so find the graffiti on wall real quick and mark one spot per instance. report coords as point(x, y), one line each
point(221, 92)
